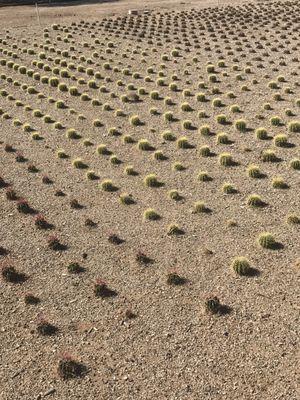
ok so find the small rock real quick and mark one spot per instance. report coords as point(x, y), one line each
point(50, 391)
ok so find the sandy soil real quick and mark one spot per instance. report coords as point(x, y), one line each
point(173, 348)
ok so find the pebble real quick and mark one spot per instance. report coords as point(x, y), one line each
point(50, 391)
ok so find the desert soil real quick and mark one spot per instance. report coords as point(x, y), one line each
point(151, 339)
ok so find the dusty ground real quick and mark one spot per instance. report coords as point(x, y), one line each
point(173, 348)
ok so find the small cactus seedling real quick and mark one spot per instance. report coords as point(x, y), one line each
point(279, 183)
point(41, 223)
point(142, 258)
point(20, 157)
point(254, 172)
point(46, 180)
point(151, 180)
point(45, 328)
point(212, 305)
point(151, 215)
point(11, 194)
point(174, 279)
point(200, 207)
point(102, 290)
point(294, 126)
point(74, 268)
point(69, 368)
point(3, 251)
point(174, 230)
point(24, 207)
point(225, 159)
point(89, 222)
point(31, 299)
point(54, 243)
point(114, 239)
point(126, 199)
point(293, 219)
point(295, 164)
point(108, 186)
point(228, 188)
point(10, 274)
point(241, 266)
point(8, 148)
point(2, 183)
point(129, 314)
point(269, 156)
point(255, 201)
point(75, 204)
point(266, 240)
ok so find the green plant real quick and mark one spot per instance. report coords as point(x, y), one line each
point(295, 164)
point(151, 215)
point(275, 121)
point(61, 154)
point(168, 135)
point(217, 102)
point(221, 119)
point(174, 229)
point(91, 175)
point(204, 177)
point(254, 171)
point(279, 183)
point(72, 134)
point(294, 126)
point(129, 170)
point(102, 149)
point(107, 185)
point(240, 125)
point(255, 201)
point(74, 268)
point(228, 188)
point(143, 144)
point(225, 159)
point(266, 240)
point(135, 120)
point(273, 85)
point(200, 207)
point(241, 266)
point(186, 107)
point(178, 166)
point(126, 199)
point(212, 305)
point(269, 156)
point(293, 219)
point(114, 160)
point(201, 97)
point(222, 138)
point(183, 143)
point(204, 151)
point(261, 133)
point(151, 180)
point(168, 116)
point(73, 91)
point(174, 195)
point(128, 139)
point(159, 155)
point(187, 124)
point(205, 130)
point(78, 163)
point(235, 108)
point(281, 140)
